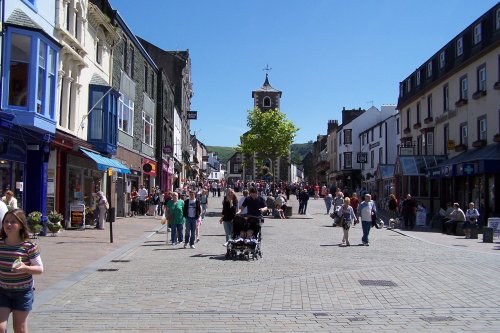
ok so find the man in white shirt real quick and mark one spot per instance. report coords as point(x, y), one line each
point(10, 200)
point(143, 194)
point(366, 209)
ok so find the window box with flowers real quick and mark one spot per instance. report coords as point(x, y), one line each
point(407, 130)
point(478, 94)
point(461, 147)
point(428, 120)
point(417, 125)
point(461, 102)
point(479, 143)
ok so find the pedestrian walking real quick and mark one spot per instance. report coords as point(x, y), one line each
point(103, 205)
point(204, 203)
point(192, 211)
point(328, 202)
point(175, 210)
point(303, 199)
point(229, 209)
point(354, 205)
point(134, 198)
point(347, 218)
point(366, 209)
point(392, 205)
point(19, 261)
point(243, 210)
point(409, 210)
point(142, 195)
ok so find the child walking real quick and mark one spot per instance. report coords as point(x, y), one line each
point(19, 261)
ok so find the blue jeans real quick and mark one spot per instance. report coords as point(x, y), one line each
point(228, 229)
point(177, 233)
point(203, 211)
point(190, 230)
point(328, 207)
point(366, 225)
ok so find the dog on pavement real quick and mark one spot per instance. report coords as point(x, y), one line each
point(394, 223)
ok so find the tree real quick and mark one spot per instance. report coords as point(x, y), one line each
point(270, 134)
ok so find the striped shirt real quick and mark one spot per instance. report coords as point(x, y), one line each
point(29, 254)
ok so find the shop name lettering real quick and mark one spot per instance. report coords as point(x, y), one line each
point(448, 115)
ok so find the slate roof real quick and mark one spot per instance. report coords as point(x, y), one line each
point(20, 18)
point(267, 87)
point(98, 80)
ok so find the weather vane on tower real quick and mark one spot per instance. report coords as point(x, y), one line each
point(267, 69)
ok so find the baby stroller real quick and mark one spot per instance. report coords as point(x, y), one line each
point(247, 238)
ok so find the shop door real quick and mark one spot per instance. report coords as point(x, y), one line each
point(88, 192)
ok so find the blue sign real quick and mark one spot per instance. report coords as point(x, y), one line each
point(468, 169)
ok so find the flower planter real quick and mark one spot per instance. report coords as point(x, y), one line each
point(460, 148)
point(407, 130)
point(417, 125)
point(478, 94)
point(496, 138)
point(479, 143)
point(461, 102)
point(428, 120)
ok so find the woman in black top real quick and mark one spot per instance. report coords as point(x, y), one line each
point(229, 209)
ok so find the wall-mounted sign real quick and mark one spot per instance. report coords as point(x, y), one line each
point(149, 167)
point(362, 157)
point(192, 115)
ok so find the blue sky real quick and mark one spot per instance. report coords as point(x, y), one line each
point(324, 54)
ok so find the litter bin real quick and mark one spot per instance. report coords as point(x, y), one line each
point(288, 211)
point(487, 235)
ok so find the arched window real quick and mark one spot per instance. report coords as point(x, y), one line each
point(266, 102)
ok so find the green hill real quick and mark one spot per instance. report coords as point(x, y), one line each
point(299, 150)
point(224, 153)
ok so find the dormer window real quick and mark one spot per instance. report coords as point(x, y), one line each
point(408, 85)
point(460, 46)
point(418, 78)
point(429, 69)
point(266, 102)
point(477, 34)
point(442, 60)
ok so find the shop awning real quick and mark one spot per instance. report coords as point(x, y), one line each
point(417, 165)
point(473, 161)
point(103, 163)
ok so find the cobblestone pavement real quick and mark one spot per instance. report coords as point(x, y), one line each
point(305, 282)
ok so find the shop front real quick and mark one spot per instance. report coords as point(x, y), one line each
point(473, 176)
point(149, 168)
point(167, 174)
point(24, 155)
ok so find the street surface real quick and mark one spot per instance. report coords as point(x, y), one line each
point(403, 282)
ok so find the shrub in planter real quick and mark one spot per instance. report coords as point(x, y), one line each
point(34, 219)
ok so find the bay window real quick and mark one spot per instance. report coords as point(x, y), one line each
point(30, 77)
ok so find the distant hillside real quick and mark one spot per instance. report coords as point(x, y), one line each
point(224, 153)
point(299, 150)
